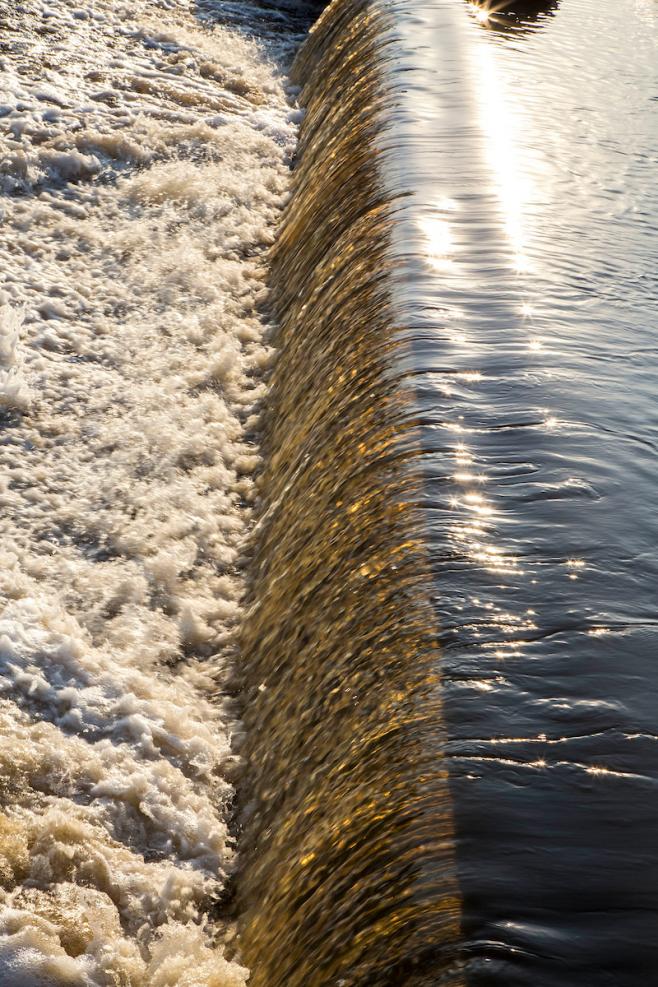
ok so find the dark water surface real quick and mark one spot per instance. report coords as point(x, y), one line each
point(530, 236)
point(456, 566)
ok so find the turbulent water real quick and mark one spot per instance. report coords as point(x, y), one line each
point(398, 504)
point(144, 159)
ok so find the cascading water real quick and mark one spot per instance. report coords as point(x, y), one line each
point(449, 638)
point(349, 874)
point(450, 713)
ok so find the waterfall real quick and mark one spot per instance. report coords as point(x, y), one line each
point(348, 874)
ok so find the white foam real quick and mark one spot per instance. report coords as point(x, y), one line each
point(14, 392)
point(144, 161)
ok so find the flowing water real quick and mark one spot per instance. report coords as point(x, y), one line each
point(430, 458)
point(452, 635)
point(144, 161)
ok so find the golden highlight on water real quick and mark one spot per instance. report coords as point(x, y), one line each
point(328, 547)
point(348, 870)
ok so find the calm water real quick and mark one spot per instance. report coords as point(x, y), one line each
point(528, 279)
point(462, 450)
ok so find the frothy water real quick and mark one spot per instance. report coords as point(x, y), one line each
point(432, 473)
point(144, 160)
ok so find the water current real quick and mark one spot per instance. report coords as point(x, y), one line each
point(333, 486)
point(144, 160)
point(458, 554)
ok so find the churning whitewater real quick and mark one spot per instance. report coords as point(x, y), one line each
point(144, 159)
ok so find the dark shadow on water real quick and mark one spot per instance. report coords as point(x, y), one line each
point(514, 16)
point(260, 18)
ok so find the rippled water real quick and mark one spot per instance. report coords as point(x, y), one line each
point(508, 304)
point(530, 236)
point(447, 652)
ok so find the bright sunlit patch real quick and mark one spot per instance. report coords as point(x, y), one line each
point(521, 264)
point(499, 128)
point(463, 454)
point(484, 12)
point(481, 685)
point(493, 559)
point(439, 242)
point(437, 232)
point(476, 503)
point(465, 477)
point(598, 770)
point(510, 649)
